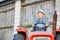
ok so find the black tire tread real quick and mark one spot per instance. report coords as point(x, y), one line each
point(18, 37)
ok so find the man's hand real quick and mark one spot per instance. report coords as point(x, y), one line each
point(47, 25)
point(32, 25)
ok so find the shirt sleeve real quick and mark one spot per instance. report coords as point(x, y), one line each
point(35, 21)
point(46, 21)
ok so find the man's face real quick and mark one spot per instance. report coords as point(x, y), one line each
point(41, 15)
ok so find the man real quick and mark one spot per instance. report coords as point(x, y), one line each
point(41, 23)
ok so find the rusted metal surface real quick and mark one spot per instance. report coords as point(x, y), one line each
point(54, 23)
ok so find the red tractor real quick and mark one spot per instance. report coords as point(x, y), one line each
point(22, 33)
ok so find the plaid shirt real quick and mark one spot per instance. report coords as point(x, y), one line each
point(43, 21)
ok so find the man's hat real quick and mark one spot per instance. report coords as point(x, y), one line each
point(41, 11)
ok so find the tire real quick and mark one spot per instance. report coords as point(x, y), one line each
point(58, 36)
point(18, 37)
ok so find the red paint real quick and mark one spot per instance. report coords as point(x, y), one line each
point(41, 34)
point(22, 30)
point(57, 30)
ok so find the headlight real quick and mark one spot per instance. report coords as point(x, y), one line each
point(41, 38)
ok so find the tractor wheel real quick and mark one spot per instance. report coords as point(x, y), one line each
point(18, 37)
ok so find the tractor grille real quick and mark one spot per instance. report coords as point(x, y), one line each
point(41, 38)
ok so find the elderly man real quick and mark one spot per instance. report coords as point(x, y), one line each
point(41, 23)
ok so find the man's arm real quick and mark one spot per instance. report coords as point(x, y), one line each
point(34, 22)
point(46, 22)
